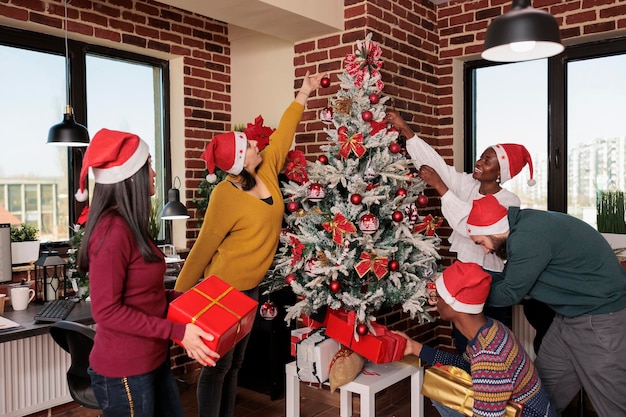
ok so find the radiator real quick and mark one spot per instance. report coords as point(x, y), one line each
point(32, 373)
point(524, 332)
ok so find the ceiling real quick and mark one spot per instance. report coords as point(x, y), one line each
point(284, 19)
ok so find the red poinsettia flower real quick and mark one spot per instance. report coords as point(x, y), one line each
point(295, 168)
point(259, 132)
point(365, 62)
point(296, 250)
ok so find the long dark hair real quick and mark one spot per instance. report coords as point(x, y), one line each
point(130, 199)
point(247, 180)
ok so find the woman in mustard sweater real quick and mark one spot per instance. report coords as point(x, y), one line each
point(239, 236)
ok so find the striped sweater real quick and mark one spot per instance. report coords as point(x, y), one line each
point(501, 371)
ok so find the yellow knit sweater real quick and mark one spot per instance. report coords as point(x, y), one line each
point(239, 236)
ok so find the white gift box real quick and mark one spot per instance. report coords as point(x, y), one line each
point(297, 335)
point(313, 356)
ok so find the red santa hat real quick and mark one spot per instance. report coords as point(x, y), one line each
point(226, 152)
point(464, 286)
point(512, 158)
point(487, 217)
point(113, 157)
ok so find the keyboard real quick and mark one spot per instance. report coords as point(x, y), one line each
point(54, 311)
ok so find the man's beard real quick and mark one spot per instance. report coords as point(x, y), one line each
point(499, 245)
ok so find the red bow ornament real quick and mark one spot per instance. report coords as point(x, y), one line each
point(353, 143)
point(428, 226)
point(338, 226)
point(371, 262)
point(296, 250)
point(295, 168)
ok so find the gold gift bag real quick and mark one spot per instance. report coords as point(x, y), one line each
point(452, 387)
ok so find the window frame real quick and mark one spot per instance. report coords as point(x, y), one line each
point(556, 107)
point(77, 53)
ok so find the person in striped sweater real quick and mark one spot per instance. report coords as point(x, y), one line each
point(500, 368)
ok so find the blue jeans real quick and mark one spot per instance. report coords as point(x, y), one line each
point(154, 394)
point(217, 385)
point(446, 411)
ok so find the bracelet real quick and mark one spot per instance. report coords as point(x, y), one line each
point(302, 92)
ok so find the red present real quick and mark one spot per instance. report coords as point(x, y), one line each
point(218, 308)
point(313, 324)
point(381, 347)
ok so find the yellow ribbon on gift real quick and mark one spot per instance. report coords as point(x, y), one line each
point(452, 387)
point(216, 302)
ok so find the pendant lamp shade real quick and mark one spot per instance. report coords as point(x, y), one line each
point(68, 132)
point(522, 34)
point(174, 209)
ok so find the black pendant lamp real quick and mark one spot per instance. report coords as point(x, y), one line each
point(522, 34)
point(68, 132)
point(174, 209)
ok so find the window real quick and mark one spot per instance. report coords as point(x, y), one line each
point(110, 88)
point(568, 111)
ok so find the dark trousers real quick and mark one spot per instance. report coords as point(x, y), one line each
point(540, 316)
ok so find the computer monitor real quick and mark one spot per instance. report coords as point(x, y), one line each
point(6, 273)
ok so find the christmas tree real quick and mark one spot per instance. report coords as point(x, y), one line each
point(355, 238)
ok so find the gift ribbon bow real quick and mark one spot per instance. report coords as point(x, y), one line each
point(216, 302)
point(338, 226)
point(369, 262)
point(353, 143)
point(428, 226)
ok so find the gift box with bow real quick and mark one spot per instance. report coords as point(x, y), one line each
point(218, 308)
point(379, 346)
point(452, 387)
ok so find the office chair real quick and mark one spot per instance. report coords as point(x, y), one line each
point(77, 340)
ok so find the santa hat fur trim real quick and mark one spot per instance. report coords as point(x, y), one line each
point(487, 217)
point(464, 286)
point(512, 158)
point(113, 156)
point(227, 152)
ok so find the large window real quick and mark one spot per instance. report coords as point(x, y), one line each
point(568, 111)
point(109, 88)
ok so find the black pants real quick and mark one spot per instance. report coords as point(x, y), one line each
point(540, 316)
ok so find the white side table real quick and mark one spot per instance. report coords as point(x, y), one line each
point(380, 377)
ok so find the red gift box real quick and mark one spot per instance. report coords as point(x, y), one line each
point(381, 347)
point(218, 308)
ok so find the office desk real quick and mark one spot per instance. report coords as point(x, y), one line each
point(32, 366)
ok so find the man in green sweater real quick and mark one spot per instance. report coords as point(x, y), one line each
point(562, 261)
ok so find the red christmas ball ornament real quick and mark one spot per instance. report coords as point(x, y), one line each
point(316, 192)
point(342, 130)
point(368, 223)
point(290, 278)
point(422, 200)
point(325, 82)
point(394, 265)
point(397, 216)
point(356, 199)
point(293, 206)
point(367, 116)
point(334, 286)
point(323, 159)
point(362, 329)
point(268, 310)
point(401, 192)
point(395, 147)
point(374, 98)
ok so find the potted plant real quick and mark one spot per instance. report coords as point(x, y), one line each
point(24, 244)
point(80, 280)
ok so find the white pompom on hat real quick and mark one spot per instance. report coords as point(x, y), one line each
point(512, 157)
point(227, 152)
point(487, 217)
point(464, 286)
point(113, 157)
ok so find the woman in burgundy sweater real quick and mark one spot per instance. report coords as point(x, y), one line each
point(129, 363)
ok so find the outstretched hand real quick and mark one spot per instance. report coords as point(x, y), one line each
point(196, 349)
point(394, 119)
point(413, 347)
point(432, 178)
point(311, 83)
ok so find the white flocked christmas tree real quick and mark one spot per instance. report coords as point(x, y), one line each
point(355, 237)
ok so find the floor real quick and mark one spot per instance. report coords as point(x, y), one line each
point(314, 402)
